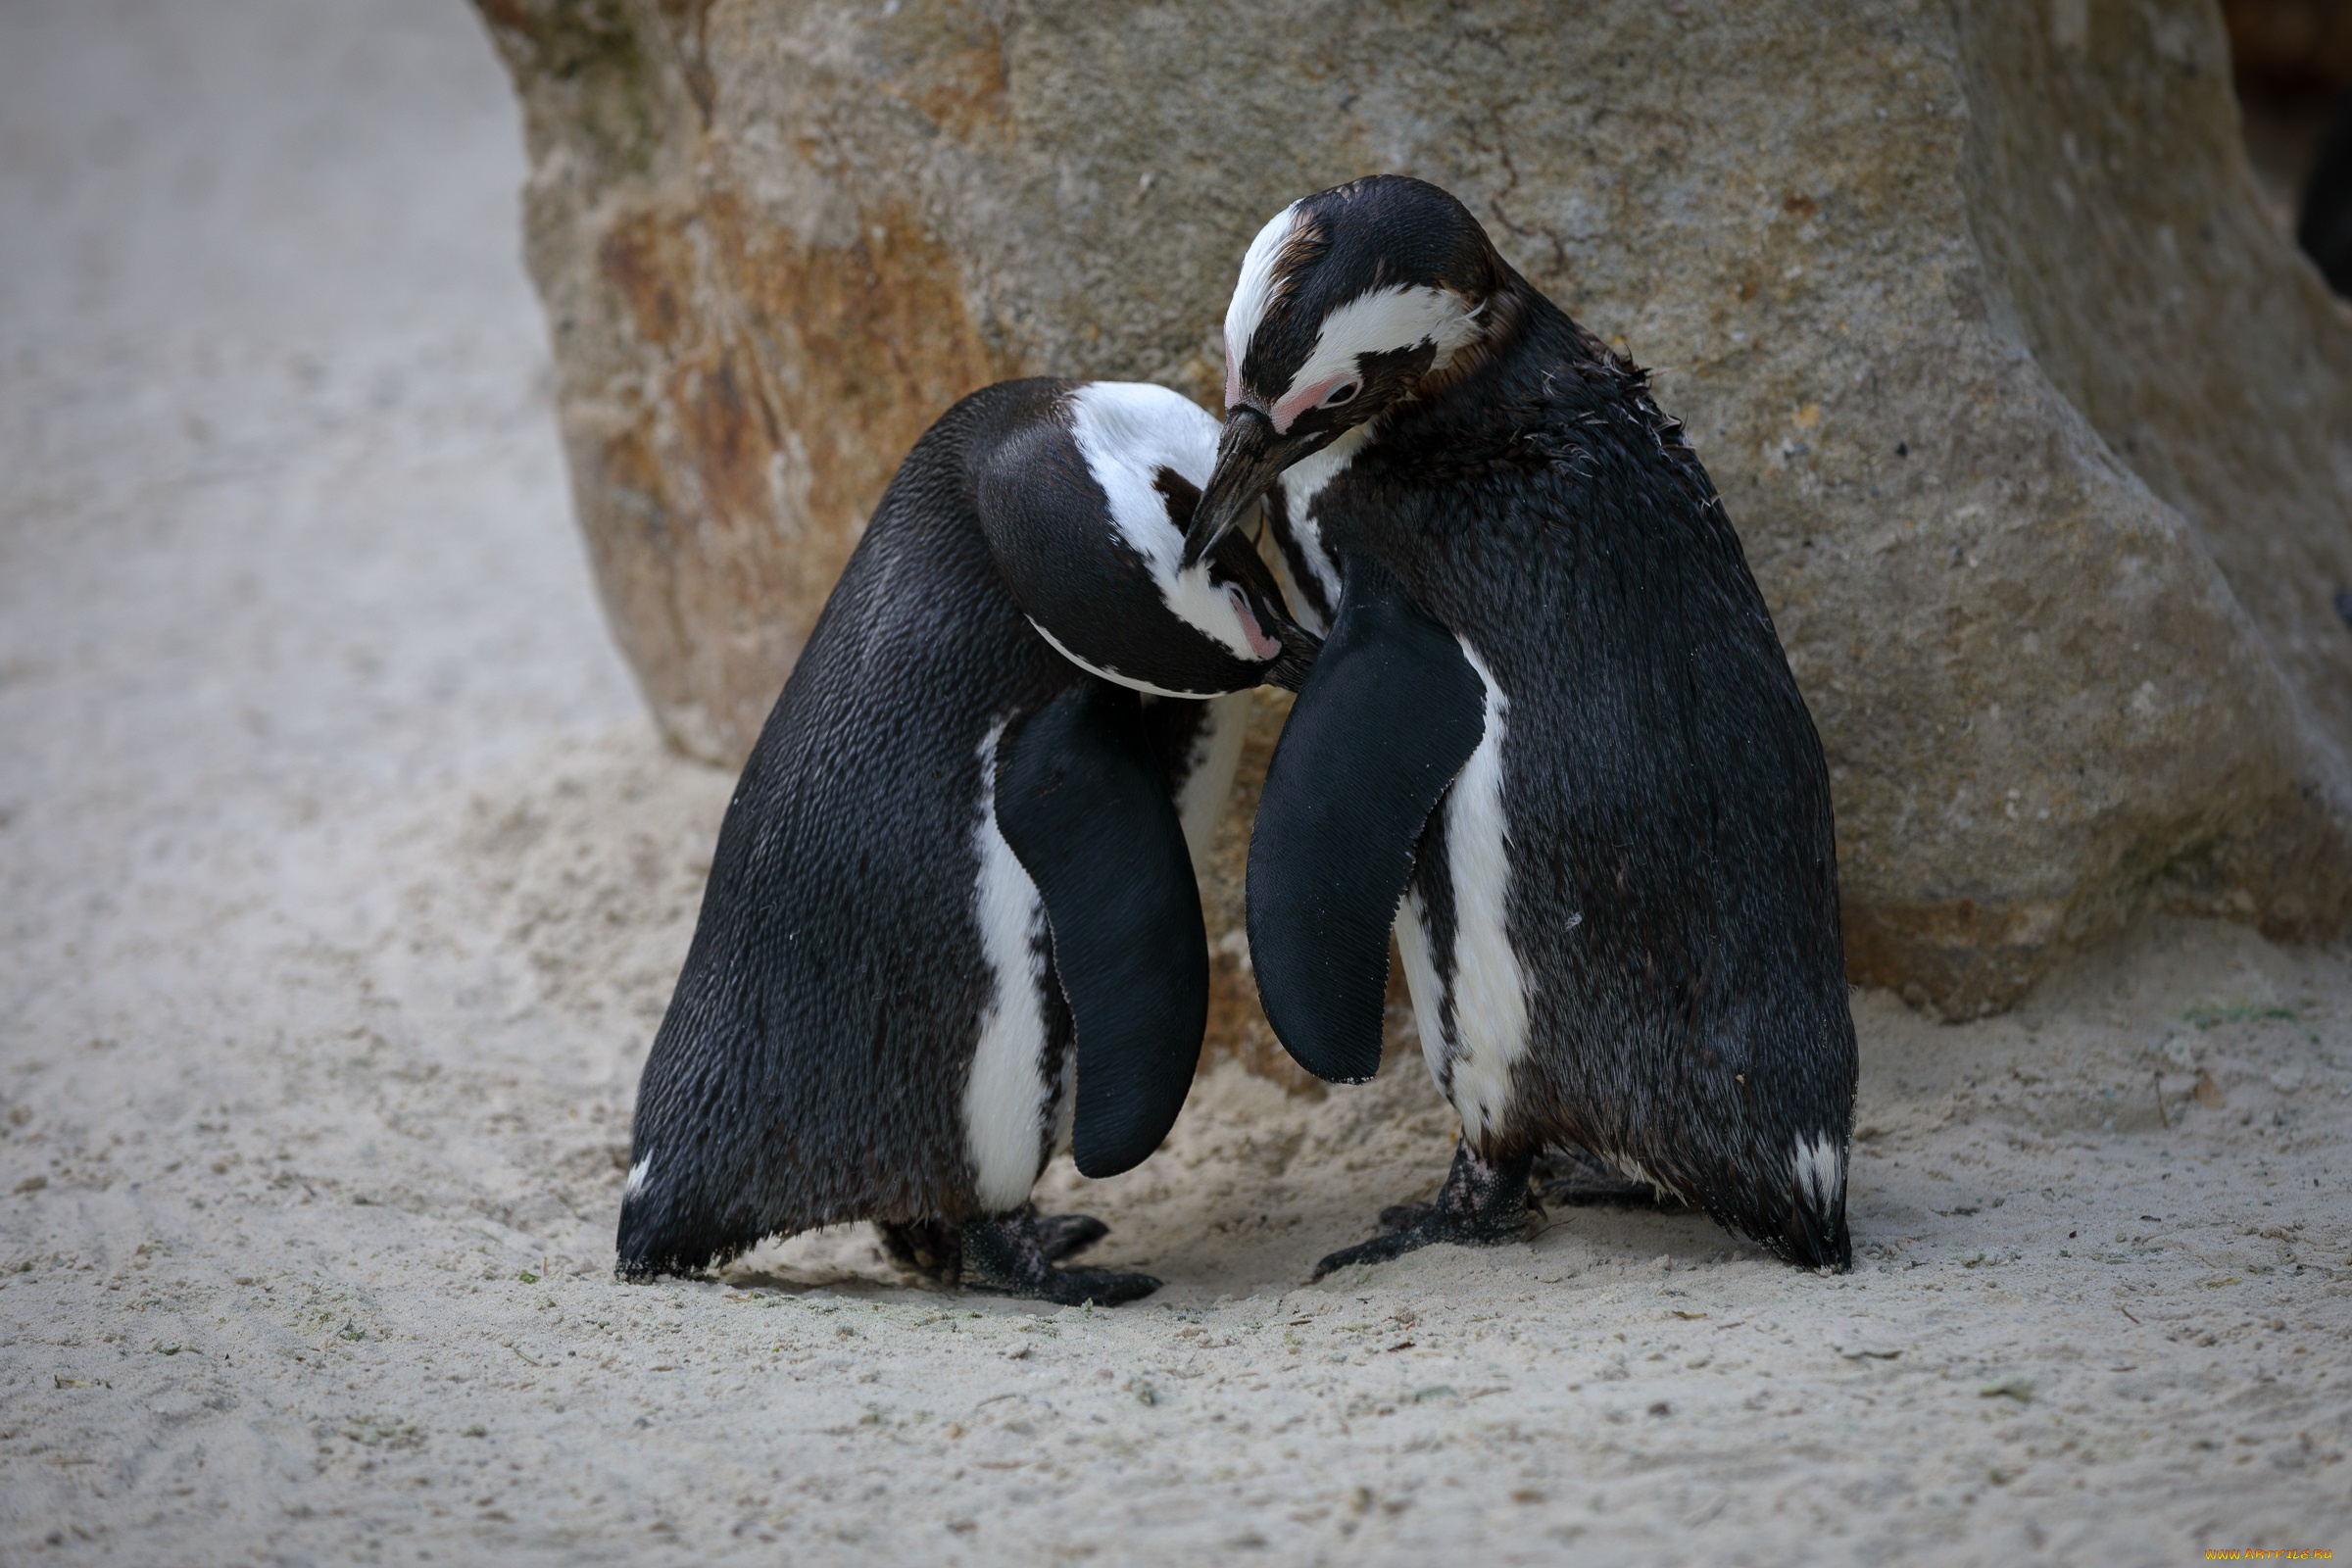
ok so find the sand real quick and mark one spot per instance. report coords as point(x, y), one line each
point(342, 882)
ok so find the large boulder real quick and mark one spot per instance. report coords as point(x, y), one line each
point(2040, 439)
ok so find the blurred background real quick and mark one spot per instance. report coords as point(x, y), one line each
point(2291, 62)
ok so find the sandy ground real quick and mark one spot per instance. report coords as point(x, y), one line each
point(341, 884)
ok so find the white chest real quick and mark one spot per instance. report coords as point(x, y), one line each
point(1473, 1047)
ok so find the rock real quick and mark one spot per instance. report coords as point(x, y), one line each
point(2040, 439)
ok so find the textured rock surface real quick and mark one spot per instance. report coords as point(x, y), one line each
point(2038, 438)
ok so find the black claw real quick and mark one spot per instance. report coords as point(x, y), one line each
point(1483, 1204)
point(1379, 1249)
point(1074, 1287)
point(1063, 1236)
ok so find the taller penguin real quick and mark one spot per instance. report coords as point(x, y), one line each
point(1551, 719)
point(951, 911)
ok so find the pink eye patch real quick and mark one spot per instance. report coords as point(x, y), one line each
point(1306, 397)
point(1263, 646)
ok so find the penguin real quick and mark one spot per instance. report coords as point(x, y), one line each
point(1552, 741)
point(953, 915)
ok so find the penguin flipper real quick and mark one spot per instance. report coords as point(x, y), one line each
point(1085, 806)
point(1389, 714)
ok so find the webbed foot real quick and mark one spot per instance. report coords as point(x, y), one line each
point(1013, 1256)
point(931, 1248)
point(1068, 1235)
point(1483, 1204)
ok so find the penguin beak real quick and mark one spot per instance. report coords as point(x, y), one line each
point(1299, 650)
point(1250, 456)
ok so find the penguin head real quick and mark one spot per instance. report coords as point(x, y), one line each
point(1348, 303)
point(1085, 513)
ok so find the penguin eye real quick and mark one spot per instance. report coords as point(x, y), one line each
point(1345, 392)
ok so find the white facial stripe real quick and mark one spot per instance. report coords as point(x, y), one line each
point(1252, 292)
point(1127, 431)
point(1004, 1099)
point(1106, 672)
point(1381, 322)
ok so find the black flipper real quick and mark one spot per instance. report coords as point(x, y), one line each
point(1388, 717)
point(1084, 808)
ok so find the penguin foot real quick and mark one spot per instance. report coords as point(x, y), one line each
point(931, 1248)
point(1403, 1216)
point(1013, 1256)
point(1068, 1235)
point(1483, 1204)
point(936, 1250)
point(1572, 1178)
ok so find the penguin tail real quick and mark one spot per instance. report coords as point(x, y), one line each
point(1816, 1236)
point(642, 1256)
point(642, 1259)
point(1820, 1240)
point(659, 1234)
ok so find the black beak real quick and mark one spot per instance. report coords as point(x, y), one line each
point(1299, 650)
point(1250, 456)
